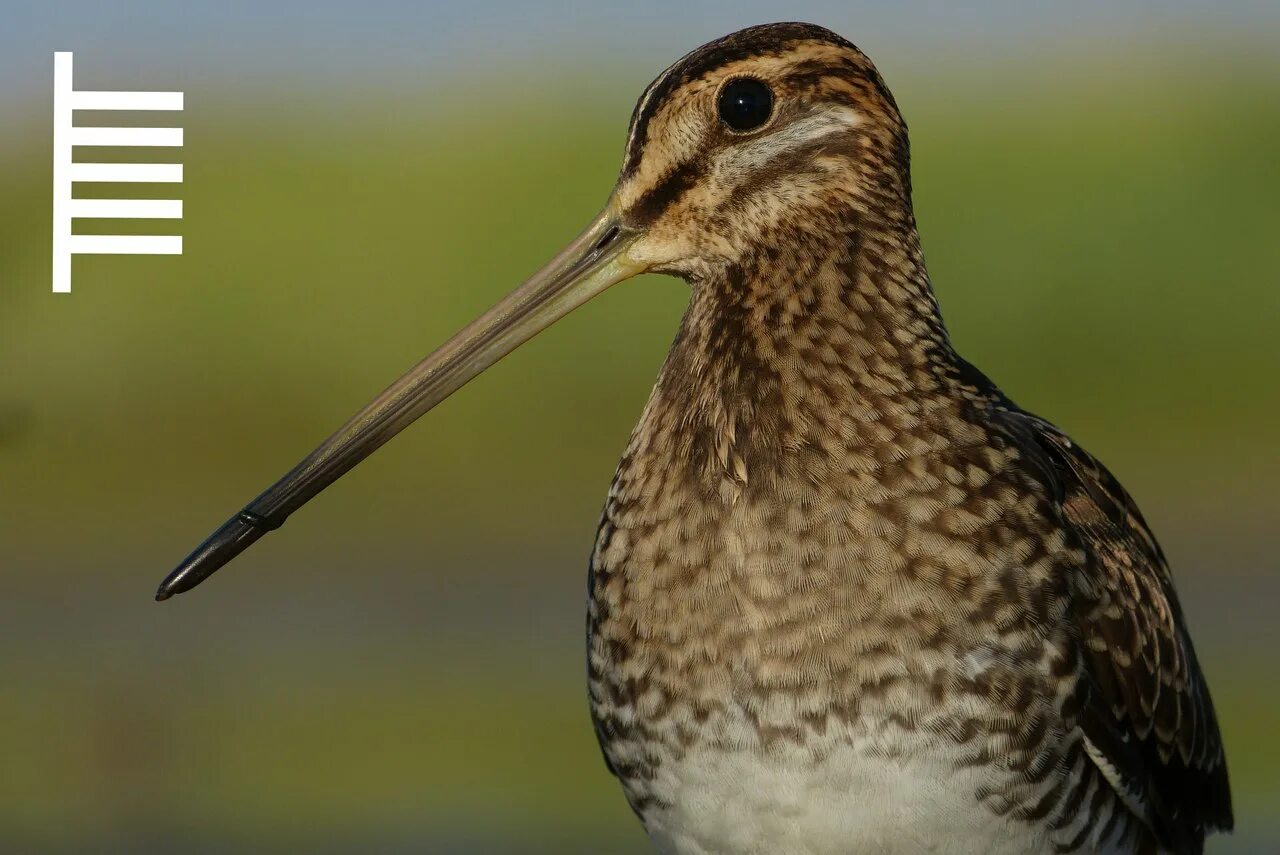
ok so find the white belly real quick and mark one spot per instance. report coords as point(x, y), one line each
point(782, 803)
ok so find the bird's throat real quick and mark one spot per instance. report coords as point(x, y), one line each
point(794, 354)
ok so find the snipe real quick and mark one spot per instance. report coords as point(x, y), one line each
point(846, 596)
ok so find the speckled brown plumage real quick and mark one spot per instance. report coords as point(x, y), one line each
point(845, 595)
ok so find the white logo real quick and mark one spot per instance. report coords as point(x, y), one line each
point(65, 173)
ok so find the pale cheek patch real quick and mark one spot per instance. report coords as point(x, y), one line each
point(737, 162)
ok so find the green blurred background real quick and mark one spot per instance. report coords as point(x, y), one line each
point(401, 667)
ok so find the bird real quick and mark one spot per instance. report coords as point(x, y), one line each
point(845, 595)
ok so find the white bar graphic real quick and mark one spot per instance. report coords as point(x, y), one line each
point(126, 136)
point(126, 245)
point(147, 173)
point(66, 136)
point(61, 173)
point(85, 100)
point(127, 209)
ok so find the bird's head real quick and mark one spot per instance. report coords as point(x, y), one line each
point(755, 140)
point(751, 148)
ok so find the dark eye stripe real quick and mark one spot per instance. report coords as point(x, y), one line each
point(666, 193)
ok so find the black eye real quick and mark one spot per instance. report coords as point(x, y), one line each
point(745, 103)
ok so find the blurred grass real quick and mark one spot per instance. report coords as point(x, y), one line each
point(1104, 244)
point(1106, 252)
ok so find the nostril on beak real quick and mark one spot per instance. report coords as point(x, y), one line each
point(607, 238)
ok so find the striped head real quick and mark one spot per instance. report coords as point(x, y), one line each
point(769, 131)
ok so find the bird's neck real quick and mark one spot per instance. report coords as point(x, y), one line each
point(810, 347)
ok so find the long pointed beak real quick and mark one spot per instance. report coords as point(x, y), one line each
point(594, 261)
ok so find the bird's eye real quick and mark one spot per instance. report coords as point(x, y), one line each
point(745, 104)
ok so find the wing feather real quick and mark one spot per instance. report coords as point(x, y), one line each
point(1145, 709)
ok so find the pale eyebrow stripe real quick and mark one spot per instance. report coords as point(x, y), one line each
point(640, 111)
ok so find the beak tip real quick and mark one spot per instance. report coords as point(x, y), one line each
point(235, 536)
point(175, 583)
